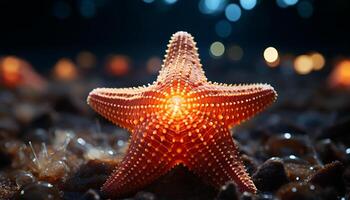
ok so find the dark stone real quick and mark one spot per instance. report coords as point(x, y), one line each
point(270, 175)
point(40, 191)
point(180, 183)
point(288, 144)
point(145, 196)
point(91, 195)
point(89, 176)
point(305, 191)
point(331, 175)
point(228, 192)
point(329, 152)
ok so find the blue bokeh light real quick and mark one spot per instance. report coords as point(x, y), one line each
point(290, 2)
point(223, 28)
point(211, 6)
point(305, 9)
point(148, 1)
point(87, 8)
point(248, 4)
point(233, 12)
point(61, 9)
point(170, 1)
point(281, 3)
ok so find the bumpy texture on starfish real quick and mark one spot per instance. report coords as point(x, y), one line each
point(180, 119)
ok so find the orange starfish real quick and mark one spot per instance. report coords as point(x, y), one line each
point(180, 119)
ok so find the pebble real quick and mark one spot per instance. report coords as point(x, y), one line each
point(272, 169)
point(40, 191)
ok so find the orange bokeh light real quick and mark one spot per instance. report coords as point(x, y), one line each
point(340, 76)
point(16, 72)
point(303, 64)
point(318, 61)
point(65, 69)
point(118, 65)
point(10, 71)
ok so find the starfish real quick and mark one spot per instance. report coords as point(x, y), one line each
point(180, 119)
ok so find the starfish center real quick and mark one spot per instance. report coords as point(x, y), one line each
point(176, 105)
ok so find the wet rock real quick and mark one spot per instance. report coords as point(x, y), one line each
point(8, 189)
point(186, 183)
point(24, 178)
point(89, 176)
point(331, 175)
point(298, 169)
point(91, 195)
point(228, 192)
point(250, 164)
point(329, 152)
point(289, 144)
point(144, 196)
point(40, 191)
point(304, 191)
point(265, 196)
point(247, 196)
point(272, 169)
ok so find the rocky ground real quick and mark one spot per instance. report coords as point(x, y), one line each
point(52, 146)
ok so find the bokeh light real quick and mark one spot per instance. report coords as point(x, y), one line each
point(15, 72)
point(305, 9)
point(281, 3)
point(10, 71)
point(223, 28)
point(86, 59)
point(87, 8)
point(154, 65)
point(303, 64)
point(217, 49)
point(65, 70)
point(270, 54)
point(290, 2)
point(211, 6)
point(61, 9)
point(248, 4)
point(340, 76)
point(170, 1)
point(318, 61)
point(118, 65)
point(233, 12)
point(235, 53)
point(274, 63)
point(148, 1)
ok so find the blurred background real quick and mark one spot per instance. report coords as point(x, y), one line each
point(287, 38)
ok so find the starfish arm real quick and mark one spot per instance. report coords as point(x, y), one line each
point(217, 161)
point(125, 107)
point(233, 104)
point(145, 161)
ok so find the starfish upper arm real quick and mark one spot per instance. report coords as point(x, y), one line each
point(235, 103)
